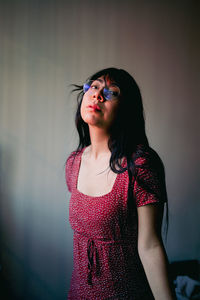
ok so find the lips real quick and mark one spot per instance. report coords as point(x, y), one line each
point(94, 107)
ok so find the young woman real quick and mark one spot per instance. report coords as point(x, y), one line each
point(118, 194)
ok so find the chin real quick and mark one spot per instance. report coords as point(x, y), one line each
point(92, 123)
point(90, 119)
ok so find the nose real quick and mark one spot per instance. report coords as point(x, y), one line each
point(98, 95)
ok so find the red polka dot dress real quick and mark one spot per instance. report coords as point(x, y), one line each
point(106, 264)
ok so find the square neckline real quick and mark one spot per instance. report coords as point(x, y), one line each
point(77, 175)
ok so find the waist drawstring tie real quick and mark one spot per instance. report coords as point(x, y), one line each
point(93, 260)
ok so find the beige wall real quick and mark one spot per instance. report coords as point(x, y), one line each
point(44, 47)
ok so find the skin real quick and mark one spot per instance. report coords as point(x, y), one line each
point(96, 157)
point(152, 252)
point(95, 160)
point(100, 119)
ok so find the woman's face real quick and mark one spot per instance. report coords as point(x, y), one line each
point(95, 109)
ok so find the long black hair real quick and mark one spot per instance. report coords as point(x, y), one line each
point(127, 136)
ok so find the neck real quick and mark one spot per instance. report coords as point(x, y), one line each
point(99, 142)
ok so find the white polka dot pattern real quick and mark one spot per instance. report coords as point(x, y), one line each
point(106, 260)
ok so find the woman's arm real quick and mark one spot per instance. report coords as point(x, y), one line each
point(151, 251)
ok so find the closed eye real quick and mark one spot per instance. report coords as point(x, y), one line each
point(113, 93)
point(110, 92)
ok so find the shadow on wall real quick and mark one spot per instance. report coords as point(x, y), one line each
point(17, 279)
point(6, 218)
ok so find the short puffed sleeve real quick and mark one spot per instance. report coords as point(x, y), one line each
point(149, 184)
point(69, 171)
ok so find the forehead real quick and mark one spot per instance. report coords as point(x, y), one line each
point(107, 80)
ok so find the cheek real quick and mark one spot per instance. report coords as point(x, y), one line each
point(85, 114)
point(112, 113)
point(83, 104)
point(81, 110)
point(113, 110)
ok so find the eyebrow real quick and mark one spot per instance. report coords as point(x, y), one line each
point(99, 79)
